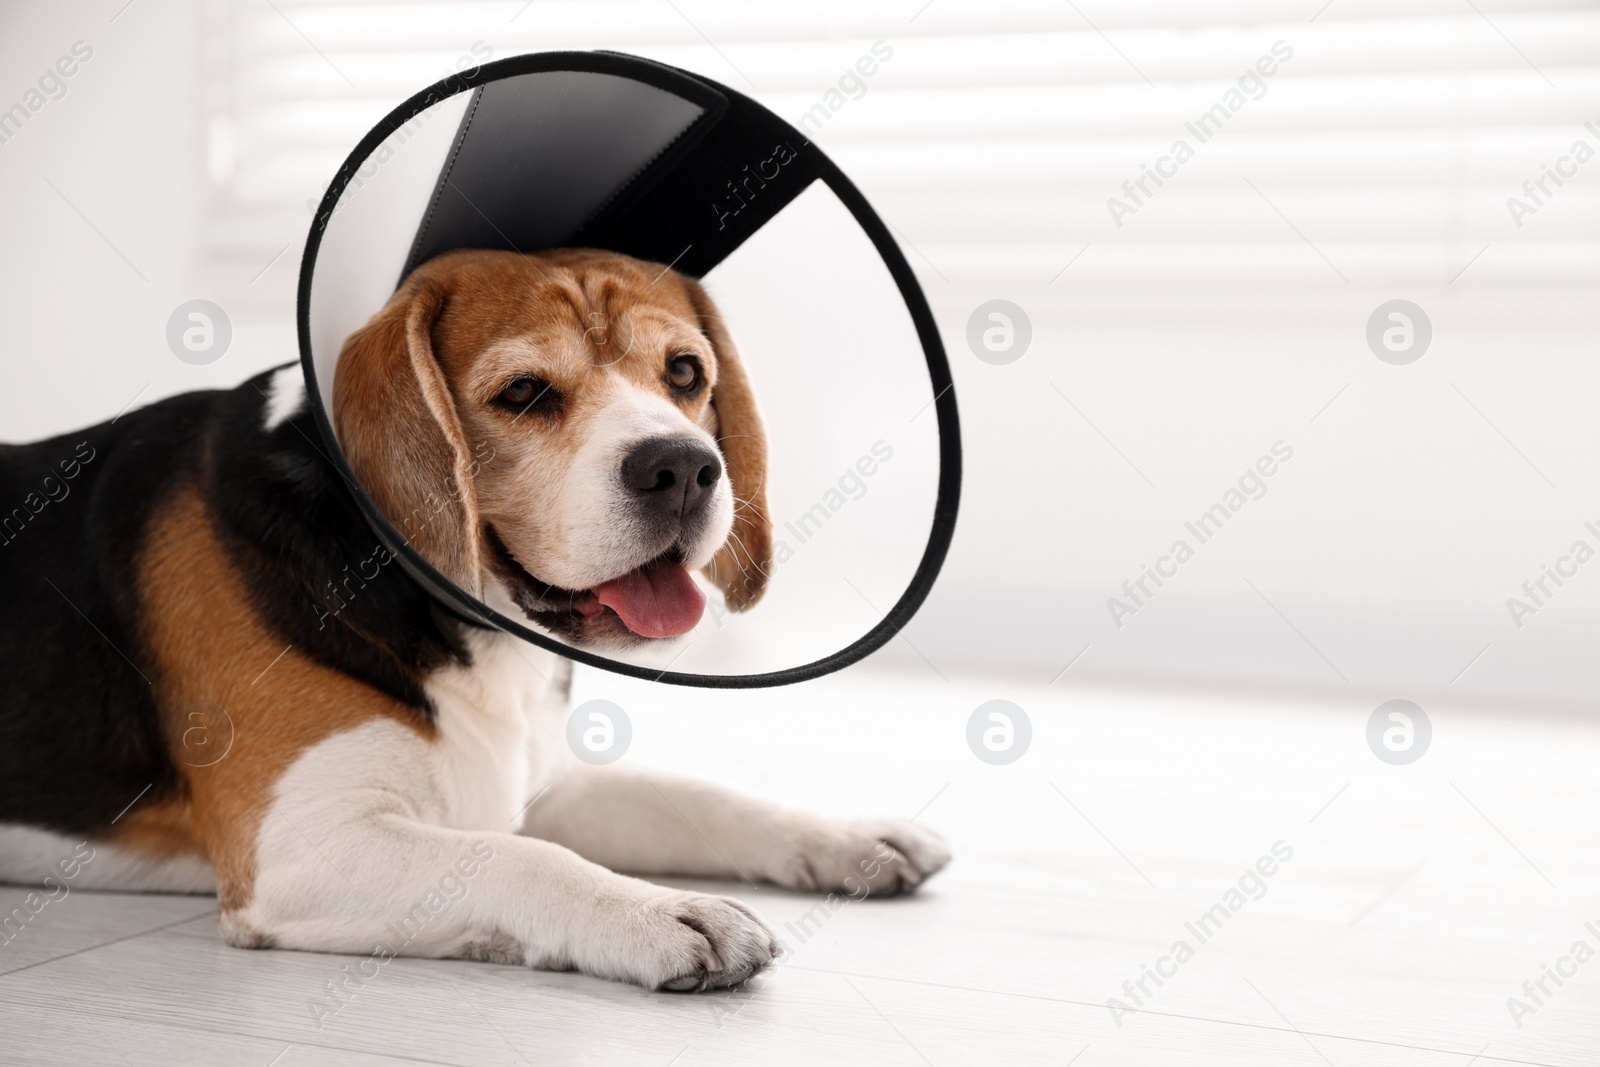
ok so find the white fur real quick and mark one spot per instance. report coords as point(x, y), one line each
point(286, 396)
point(370, 822)
point(374, 823)
point(500, 727)
point(595, 538)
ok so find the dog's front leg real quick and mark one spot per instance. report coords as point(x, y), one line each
point(350, 856)
point(649, 823)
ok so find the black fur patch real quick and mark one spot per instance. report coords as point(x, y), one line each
point(80, 735)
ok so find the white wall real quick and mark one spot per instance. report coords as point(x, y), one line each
point(1193, 337)
point(91, 268)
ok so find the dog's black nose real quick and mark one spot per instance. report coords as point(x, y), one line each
point(672, 476)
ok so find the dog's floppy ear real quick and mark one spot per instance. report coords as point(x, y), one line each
point(741, 567)
point(397, 424)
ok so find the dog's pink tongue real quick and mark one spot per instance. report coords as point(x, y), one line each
point(657, 600)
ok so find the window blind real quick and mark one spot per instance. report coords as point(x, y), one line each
point(1004, 140)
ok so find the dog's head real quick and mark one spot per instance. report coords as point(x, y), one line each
point(573, 429)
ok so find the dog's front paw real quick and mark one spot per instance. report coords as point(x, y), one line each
point(871, 857)
point(687, 942)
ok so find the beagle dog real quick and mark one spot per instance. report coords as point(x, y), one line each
point(216, 679)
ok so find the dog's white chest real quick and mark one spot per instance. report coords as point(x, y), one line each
point(501, 728)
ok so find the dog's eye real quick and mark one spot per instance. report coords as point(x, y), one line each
point(683, 373)
point(528, 392)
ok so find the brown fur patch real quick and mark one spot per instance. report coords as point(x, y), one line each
point(216, 663)
point(396, 420)
point(743, 565)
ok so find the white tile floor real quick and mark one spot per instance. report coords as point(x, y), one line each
point(1417, 901)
